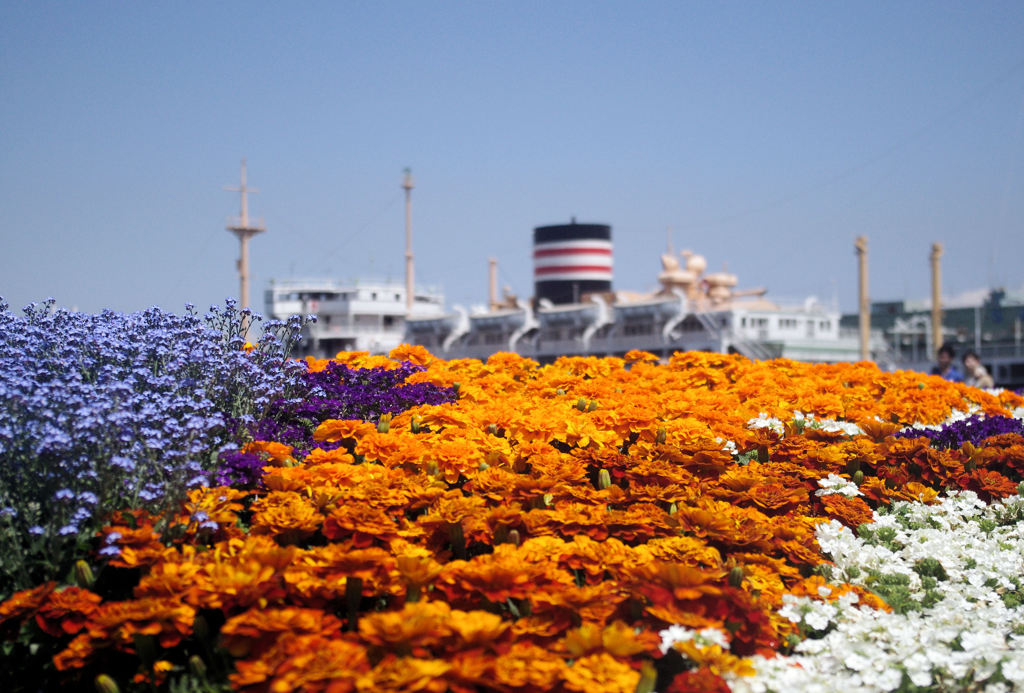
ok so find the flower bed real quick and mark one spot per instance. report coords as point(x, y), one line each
point(591, 525)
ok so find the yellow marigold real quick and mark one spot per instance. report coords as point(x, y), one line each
point(412, 353)
point(288, 516)
point(169, 578)
point(277, 453)
point(256, 629)
point(714, 659)
point(333, 430)
point(600, 673)
point(528, 666)
point(637, 356)
point(219, 504)
point(406, 674)
point(306, 662)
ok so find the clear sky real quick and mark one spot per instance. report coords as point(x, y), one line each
point(767, 135)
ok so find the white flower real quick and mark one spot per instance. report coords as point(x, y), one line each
point(969, 635)
point(856, 662)
point(834, 483)
point(764, 421)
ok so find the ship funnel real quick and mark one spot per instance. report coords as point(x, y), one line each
point(570, 260)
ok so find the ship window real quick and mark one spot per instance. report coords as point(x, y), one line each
point(743, 322)
point(374, 296)
point(398, 297)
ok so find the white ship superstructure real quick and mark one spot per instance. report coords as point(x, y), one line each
point(692, 310)
point(356, 315)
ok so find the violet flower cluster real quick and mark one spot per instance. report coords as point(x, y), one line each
point(973, 430)
point(336, 392)
point(112, 411)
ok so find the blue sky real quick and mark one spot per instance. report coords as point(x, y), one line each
point(766, 135)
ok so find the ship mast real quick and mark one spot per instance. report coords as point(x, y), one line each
point(407, 185)
point(244, 230)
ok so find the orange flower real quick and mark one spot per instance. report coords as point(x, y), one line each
point(617, 639)
point(406, 674)
point(476, 628)
point(362, 524)
point(277, 453)
point(170, 577)
point(255, 630)
point(288, 516)
point(306, 662)
point(117, 623)
point(600, 673)
point(240, 574)
point(499, 576)
point(593, 603)
point(21, 605)
point(413, 353)
point(637, 356)
point(333, 430)
point(528, 666)
point(139, 542)
point(852, 512)
point(416, 628)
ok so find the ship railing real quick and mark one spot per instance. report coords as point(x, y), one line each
point(750, 349)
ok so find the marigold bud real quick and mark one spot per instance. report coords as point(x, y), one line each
point(858, 477)
point(736, 576)
point(384, 425)
point(648, 677)
point(197, 666)
point(592, 406)
point(83, 574)
point(513, 537)
point(604, 479)
point(581, 404)
point(662, 435)
point(105, 684)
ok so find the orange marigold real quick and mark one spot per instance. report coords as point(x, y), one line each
point(600, 673)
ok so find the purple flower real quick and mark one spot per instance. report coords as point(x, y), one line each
point(973, 430)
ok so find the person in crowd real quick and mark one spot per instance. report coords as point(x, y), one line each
point(975, 374)
point(946, 366)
